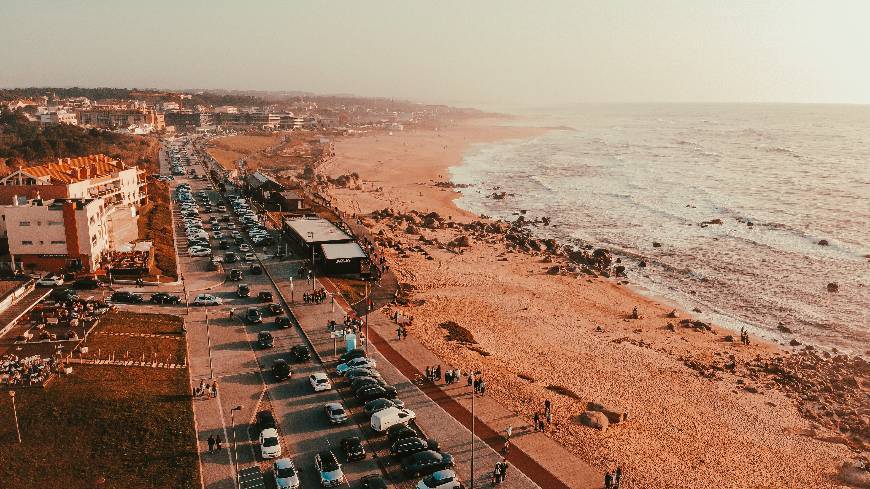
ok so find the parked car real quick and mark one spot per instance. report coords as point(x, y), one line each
point(282, 321)
point(329, 469)
point(382, 420)
point(355, 353)
point(273, 308)
point(265, 296)
point(256, 269)
point(164, 298)
point(243, 290)
point(285, 474)
point(265, 420)
point(87, 283)
point(281, 370)
point(300, 353)
point(361, 372)
point(369, 392)
point(127, 298)
point(62, 295)
point(362, 362)
point(244, 247)
point(353, 449)
point(426, 462)
point(270, 445)
point(336, 413)
point(264, 339)
point(360, 382)
point(400, 431)
point(235, 273)
point(319, 382)
point(253, 316)
point(50, 281)
point(412, 445)
point(197, 252)
point(207, 300)
point(380, 404)
point(231, 257)
point(442, 479)
point(373, 481)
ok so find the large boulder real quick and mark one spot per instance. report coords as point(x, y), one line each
point(613, 415)
point(461, 241)
point(595, 419)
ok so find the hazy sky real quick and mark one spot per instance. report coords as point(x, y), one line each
point(500, 52)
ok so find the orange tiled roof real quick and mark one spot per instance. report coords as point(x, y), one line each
point(71, 170)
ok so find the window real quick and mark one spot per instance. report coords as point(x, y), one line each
point(55, 223)
point(58, 242)
point(24, 223)
point(27, 242)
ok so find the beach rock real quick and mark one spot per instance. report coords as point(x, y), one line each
point(614, 416)
point(554, 270)
point(794, 342)
point(823, 242)
point(784, 329)
point(461, 241)
point(656, 244)
point(595, 419)
point(411, 229)
point(856, 474)
point(670, 327)
point(728, 338)
point(833, 287)
point(712, 221)
point(642, 264)
point(749, 223)
point(673, 314)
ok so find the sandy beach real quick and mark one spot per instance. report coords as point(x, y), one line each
point(703, 411)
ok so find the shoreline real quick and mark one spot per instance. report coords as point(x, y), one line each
point(620, 365)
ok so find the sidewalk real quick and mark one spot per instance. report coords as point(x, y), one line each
point(546, 463)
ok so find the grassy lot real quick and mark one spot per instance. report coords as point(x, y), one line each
point(227, 150)
point(155, 224)
point(104, 426)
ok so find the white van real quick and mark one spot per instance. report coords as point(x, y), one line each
point(383, 419)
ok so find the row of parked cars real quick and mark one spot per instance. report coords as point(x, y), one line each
point(249, 220)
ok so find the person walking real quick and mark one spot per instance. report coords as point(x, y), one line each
point(509, 431)
point(504, 468)
point(547, 407)
point(536, 421)
point(211, 442)
point(617, 476)
point(506, 448)
point(214, 389)
point(496, 474)
point(549, 417)
point(218, 441)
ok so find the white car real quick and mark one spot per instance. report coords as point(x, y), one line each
point(197, 251)
point(250, 257)
point(270, 445)
point(218, 234)
point(361, 362)
point(320, 382)
point(50, 281)
point(443, 479)
point(207, 300)
point(335, 413)
point(285, 474)
point(244, 247)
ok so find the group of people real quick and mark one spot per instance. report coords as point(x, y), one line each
point(539, 421)
point(205, 389)
point(611, 481)
point(316, 297)
point(215, 443)
point(401, 332)
point(25, 371)
point(433, 373)
point(744, 336)
point(478, 383)
point(500, 472)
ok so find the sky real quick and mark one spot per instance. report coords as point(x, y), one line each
point(504, 52)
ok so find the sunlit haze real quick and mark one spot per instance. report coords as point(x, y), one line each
point(529, 53)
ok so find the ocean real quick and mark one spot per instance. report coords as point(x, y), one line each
point(623, 176)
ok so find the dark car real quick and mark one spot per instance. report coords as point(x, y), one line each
point(282, 321)
point(127, 297)
point(412, 445)
point(265, 296)
point(355, 353)
point(426, 462)
point(265, 420)
point(379, 404)
point(353, 449)
point(224, 245)
point(231, 257)
point(62, 295)
point(243, 290)
point(400, 431)
point(273, 308)
point(264, 339)
point(256, 269)
point(361, 382)
point(164, 298)
point(254, 316)
point(281, 370)
point(86, 283)
point(372, 481)
point(371, 392)
point(300, 353)
point(235, 274)
point(361, 372)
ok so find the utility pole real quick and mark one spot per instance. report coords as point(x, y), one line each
point(474, 375)
point(368, 292)
point(15, 413)
point(235, 449)
point(311, 243)
point(208, 336)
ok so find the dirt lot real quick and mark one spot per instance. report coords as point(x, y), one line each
point(104, 426)
point(227, 150)
point(156, 215)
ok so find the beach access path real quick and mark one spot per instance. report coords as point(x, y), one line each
point(444, 412)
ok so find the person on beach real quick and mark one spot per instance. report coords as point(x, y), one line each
point(542, 428)
point(399, 334)
point(536, 421)
point(549, 417)
point(608, 480)
point(634, 314)
point(438, 373)
point(547, 407)
point(509, 431)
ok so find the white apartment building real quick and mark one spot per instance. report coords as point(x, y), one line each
point(56, 115)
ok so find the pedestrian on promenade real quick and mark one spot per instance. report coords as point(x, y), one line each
point(509, 431)
point(541, 426)
point(504, 467)
point(536, 421)
point(399, 334)
point(496, 474)
point(617, 476)
point(506, 448)
point(608, 480)
point(470, 381)
point(211, 443)
point(218, 441)
point(429, 373)
point(214, 391)
point(201, 385)
point(232, 311)
point(549, 417)
point(546, 407)
point(438, 373)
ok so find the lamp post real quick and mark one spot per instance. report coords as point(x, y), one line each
point(15, 413)
point(208, 336)
point(368, 295)
point(311, 243)
point(235, 450)
point(474, 375)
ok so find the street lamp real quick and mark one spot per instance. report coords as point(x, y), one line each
point(208, 336)
point(15, 413)
point(368, 306)
point(235, 450)
point(311, 244)
point(474, 375)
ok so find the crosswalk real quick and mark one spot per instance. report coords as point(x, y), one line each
point(251, 478)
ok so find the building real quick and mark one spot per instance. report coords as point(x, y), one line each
point(58, 234)
point(248, 120)
point(226, 109)
point(170, 105)
point(187, 119)
point(335, 251)
point(114, 117)
point(287, 201)
point(86, 177)
point(260, 186)
point(56, 115)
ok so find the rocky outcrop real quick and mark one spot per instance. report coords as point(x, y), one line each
point(823, 242)
point(594, 419)
point(833, 287)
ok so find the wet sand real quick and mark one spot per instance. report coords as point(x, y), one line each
point(690, 422)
